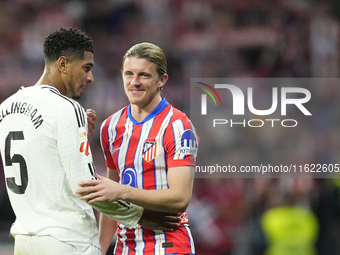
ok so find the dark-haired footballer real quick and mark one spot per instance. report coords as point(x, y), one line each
point(45, 151)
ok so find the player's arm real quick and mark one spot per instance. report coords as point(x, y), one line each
point(150, 219)
point(75, 154)
point(174, 199)
point(107, 225)
point(73, 146)
point(121, 211)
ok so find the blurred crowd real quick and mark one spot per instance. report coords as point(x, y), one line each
point(201, 38)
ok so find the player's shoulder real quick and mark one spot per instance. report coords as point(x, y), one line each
point(178, 114)
point(53, 94)
point(68, 108)
point(45, 95)
point(12, 97)
point(113, 118)
point(60, 105)
point(179, 121)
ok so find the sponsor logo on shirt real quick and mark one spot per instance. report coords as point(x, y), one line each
point(82, 134)
point(189, 143)
point(184, 217)
point(129, 177)
point(84, 148)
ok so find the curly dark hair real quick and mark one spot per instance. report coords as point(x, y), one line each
point(68, 42)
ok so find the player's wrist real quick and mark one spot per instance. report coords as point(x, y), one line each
point(125, 192)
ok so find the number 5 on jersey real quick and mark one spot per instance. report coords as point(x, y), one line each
point(17, 158)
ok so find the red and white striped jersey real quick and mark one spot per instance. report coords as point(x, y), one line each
point(142, 153)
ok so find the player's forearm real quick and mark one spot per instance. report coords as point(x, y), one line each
point(158, 200)
point(121, 211)
point(107, 229)
point(174, 199)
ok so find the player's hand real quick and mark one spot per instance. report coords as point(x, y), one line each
point(91, 119)
point(103, 189)
point(159, 220)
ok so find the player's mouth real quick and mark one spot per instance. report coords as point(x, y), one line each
point(136, 92)
point(83, 87)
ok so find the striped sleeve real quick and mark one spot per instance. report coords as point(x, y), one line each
point(105, 143)
point(78, 110)
point(108, 136)
point(181, 143)
point(73, 145)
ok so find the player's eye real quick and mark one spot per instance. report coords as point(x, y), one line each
point(145, 75)
point(87, 68)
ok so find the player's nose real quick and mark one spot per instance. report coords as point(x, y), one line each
point(90, 77)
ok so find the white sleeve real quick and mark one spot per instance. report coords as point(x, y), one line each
point(73, 145)
point(124, 212)
point(77, 161)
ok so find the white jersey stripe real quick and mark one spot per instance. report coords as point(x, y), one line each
point(139, 168)
point(123, 239)
point(113, 122)
point(140, 244)
point(191, 239)
point(122, 153)
point(138, 161)
point(111, 136)
point(159, 240)
point(178, 128)
point(115, 249)
point(160, 162)
point(194, 131)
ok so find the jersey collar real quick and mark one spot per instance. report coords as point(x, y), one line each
point(45, 86)
point(160, 107)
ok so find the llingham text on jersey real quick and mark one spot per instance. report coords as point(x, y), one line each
point(25, 109)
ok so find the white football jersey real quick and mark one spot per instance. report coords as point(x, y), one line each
point(46, 153)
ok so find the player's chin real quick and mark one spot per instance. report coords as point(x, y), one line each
point(76, 95)
point(134, 99)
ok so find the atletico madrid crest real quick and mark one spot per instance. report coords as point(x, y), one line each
point(149, 150)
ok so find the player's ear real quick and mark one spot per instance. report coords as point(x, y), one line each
point(62, 64)
point(162, 81)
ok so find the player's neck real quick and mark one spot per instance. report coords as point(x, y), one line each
point(140, 112)
point(50, 78)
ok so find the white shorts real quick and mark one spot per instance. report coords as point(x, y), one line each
point(47, 245)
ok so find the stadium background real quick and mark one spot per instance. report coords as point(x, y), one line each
point(215, 38)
